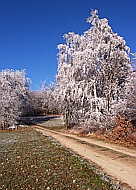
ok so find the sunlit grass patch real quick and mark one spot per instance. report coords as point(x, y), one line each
point(29, 160)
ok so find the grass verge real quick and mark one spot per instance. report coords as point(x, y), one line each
point(29, 160)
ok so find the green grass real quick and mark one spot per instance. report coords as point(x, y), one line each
point(29, 160)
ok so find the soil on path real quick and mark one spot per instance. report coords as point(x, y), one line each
point(118, 162)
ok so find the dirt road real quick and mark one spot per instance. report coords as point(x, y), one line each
point(116, 161)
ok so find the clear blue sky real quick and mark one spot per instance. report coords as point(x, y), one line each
point(30, 30)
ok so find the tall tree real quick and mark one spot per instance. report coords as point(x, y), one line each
point(92, 72)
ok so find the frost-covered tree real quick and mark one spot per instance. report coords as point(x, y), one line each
point(49, 99)
point(13, 96)
point(129, 103)
point(92, 72)
point(33, 105)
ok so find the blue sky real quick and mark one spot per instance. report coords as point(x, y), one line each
point(30, 30)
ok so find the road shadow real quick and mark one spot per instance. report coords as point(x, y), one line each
point(35, 120)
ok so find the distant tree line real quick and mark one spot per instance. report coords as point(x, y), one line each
point(17, 101)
